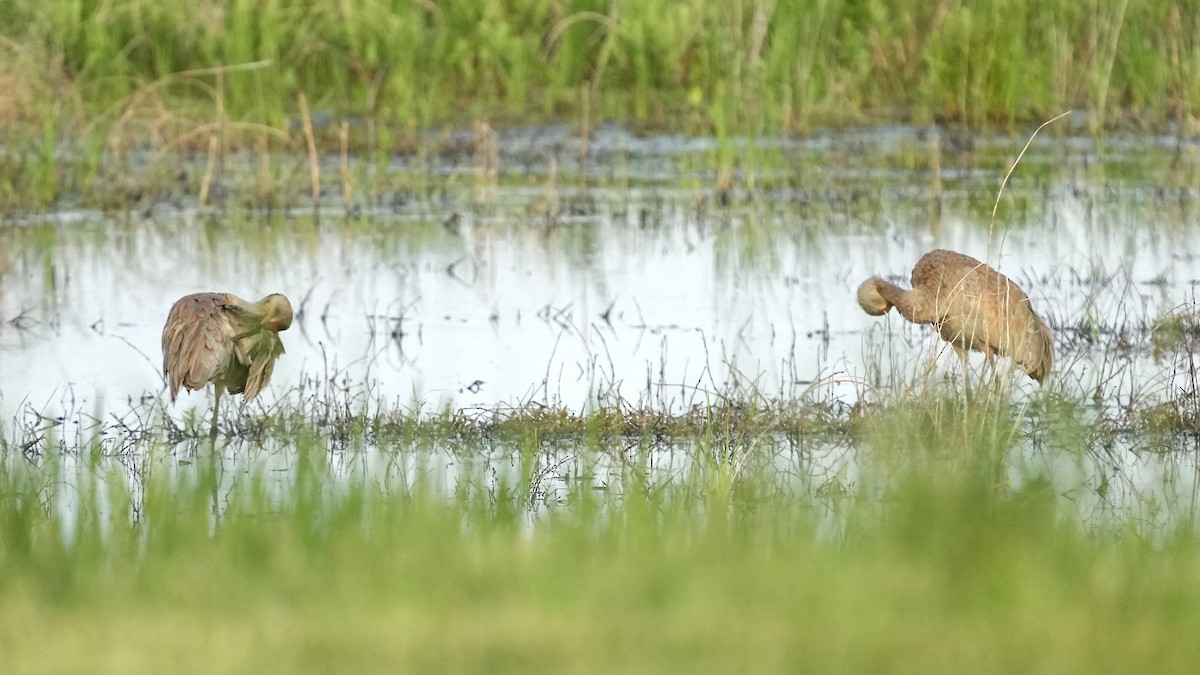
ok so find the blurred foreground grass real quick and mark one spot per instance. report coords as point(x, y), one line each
point(928, 556)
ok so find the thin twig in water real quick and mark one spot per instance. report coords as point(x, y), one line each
point(155, 368)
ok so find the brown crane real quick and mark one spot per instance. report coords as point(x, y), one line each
point(223, 339)
point(972, 306)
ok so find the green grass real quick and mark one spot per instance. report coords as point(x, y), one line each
point(92, 85)
point(625, 539)
point(177, 71)
point(944, 550)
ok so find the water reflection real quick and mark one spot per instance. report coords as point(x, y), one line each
point(619, 273)
point(1116, 487)
point(503, 311)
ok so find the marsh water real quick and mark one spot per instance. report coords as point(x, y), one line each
point(554, 270)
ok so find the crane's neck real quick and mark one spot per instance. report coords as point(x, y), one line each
point(912, 305)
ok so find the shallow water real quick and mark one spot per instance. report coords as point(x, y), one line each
point(537, 288)
point(1110, 490)
point(549, 276)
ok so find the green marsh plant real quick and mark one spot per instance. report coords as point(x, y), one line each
point(176, 76)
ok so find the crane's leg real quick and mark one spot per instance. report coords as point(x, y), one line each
point(989, 363)
point(212, 434)
point(210, 472)
point(962, 355)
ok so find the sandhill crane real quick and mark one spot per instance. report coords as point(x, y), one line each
point(972, 306)
point(220, 338)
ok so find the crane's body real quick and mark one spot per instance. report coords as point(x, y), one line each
point(222, 339)
point(972, 306)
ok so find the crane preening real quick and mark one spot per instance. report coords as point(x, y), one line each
point(972, 306)
point(223, 339)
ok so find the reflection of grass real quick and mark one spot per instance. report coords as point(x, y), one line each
point(661, 550)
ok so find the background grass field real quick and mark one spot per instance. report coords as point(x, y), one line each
point(945, 549)
point(172, 72)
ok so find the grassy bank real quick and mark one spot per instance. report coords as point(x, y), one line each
point(97, 95)
point(924, 559)
point(174, 72)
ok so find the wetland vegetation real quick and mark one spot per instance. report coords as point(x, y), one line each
point(577, 381)
point(101, 99)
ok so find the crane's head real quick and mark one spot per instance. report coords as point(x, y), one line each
point(871, 300)
point(1036, 357)
point(276, 312)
